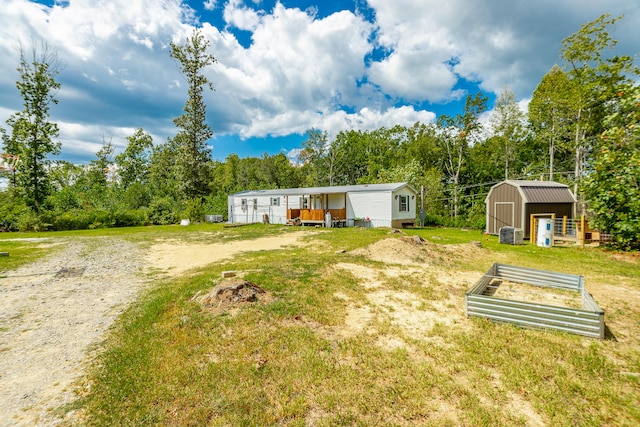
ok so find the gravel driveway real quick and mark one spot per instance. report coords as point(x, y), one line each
point(51, 312)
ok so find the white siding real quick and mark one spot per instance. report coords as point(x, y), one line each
point(256, 208)
point(336, 201)
point(411, 213)
point(373, 205)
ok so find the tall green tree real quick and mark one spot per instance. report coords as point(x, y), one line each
point(133, 162)
point(612, 187)
point(422, 145)
point(193, 162)
point(508, 126)
point(163, 181)
point(32, 135)
point(550, 115)
point(314, 157)
point(595, 79)
point(353, 165)
point(100, 168)
point(456, 134)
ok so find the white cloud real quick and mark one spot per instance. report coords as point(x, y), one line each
point(496, 43)
point(241, 17)
point(300, 70)
point(296, 67)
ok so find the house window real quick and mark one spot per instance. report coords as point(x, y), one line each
point(304, 202)
point(255, 204)
point(243, 205)
point(275, 201)
point(404, 203)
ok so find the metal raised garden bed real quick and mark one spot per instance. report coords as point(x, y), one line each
point(587, 320)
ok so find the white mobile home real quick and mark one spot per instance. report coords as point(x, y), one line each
point(370, 205)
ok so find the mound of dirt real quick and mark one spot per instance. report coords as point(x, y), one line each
point(231, 293)
point(412, 250)
point(402, 250)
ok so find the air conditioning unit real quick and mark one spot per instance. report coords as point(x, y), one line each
point(511, 235)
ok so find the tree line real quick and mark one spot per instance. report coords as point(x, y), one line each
point(581, 129)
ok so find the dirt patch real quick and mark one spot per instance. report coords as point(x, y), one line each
point(54, 310)
point(415, 250)
point(232, 294)
point(414, 315)
point(401, 250)
point(175, 257)
point(533, 294)
point(50, 313)
point(357, 319)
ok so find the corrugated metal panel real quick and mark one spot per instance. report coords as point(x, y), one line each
point(327, 190)
point(544, 278)
point(588, 321)
point(524, 183)
point(538, 316)
point(539, 194)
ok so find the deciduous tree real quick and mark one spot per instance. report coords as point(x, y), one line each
point(32, 135)
point(612, 188)
point(133, 162)
point(550, 114)
point(456, 133)
point(595, 79)
point(507, 124)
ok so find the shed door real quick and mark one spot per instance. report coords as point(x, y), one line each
point(503, 215)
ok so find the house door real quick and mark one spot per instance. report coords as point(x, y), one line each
point(503, 215)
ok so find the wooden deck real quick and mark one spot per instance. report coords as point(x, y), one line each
point(318, 216)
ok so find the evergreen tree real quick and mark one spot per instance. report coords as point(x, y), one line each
point(193, 161)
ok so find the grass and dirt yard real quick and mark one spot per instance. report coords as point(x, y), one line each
point(355, 327)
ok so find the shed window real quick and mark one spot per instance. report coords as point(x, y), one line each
point(404, 204)
point(255, 204)
point(243, 205)
point(275, 201)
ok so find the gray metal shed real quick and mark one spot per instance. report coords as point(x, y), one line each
point(511, 202)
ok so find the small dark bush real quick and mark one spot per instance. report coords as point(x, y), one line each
point(130, 217)
point(161, 211)
point(11, 210)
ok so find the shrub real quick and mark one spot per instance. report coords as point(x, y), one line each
point(194, 210)
point(217, 205)
point(64, 200)
point(30, 221)
point(129, 217)
point(161, 211)
point(11, 209)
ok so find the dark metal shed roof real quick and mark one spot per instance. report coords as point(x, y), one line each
point(543, 191)
point(540, 191)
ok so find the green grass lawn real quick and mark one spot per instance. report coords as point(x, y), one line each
point(290, 361)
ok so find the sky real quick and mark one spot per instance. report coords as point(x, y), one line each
point(284, 67)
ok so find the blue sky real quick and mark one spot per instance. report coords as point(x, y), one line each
point(287, 66)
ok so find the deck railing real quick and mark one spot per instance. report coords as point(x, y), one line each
point(316, 214)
